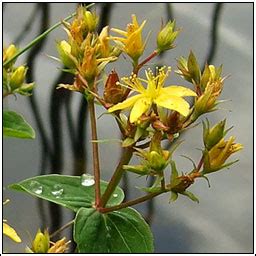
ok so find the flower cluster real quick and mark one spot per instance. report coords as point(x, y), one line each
point(86, 53)
point(14, 77)
point(156, 111)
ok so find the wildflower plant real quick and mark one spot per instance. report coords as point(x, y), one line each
point(148, 110)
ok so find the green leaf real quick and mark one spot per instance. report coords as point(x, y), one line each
point(173, 196)
point(122, 231)
point(190, 195)
point(67, 191)
point(128, 142)
point(14, 125)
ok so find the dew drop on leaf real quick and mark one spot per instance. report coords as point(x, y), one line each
point(57, 190)
point(115, 195)
point(36, 187)
point(87, 180)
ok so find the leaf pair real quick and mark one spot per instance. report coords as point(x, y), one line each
point(122, 231)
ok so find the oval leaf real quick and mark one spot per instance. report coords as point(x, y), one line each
point(14, 125)
point(67, 191)
point(122, 231)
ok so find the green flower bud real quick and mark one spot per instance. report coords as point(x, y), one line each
point(194, 68)
point(18, 77)
point(41, 242)
point(90, 21)
point(167, 36)
point(214, 135)
point(156, 161)
point(64, 50)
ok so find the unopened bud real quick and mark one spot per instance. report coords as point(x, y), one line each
point(214, 135)
point(167, 36)
point(41, 242)
point(90, 21)
point(9, 52)
point(64, 50)
point(18, 77)
point(156, 161)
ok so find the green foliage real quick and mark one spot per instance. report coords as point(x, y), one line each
point(14, 125)
point(123, 231)
point(67, 191)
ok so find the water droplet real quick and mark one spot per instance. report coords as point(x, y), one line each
point(115, 195)
point(57, 190)
point(36, 187)
point(87, 180)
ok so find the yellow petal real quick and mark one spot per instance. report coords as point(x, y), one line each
point(139, 108)
point(125, 104)
point(174, 103)
point(10, 232)
point(178, 91)
point(119, 31)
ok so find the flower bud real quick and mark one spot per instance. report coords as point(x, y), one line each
point(194, 68)
point(189, 69)
point(9, 52)
point(156, 161)
point(214, 135)
point(64, 50)
point(41, 242)
point(215, 158)
point(18, 77)
point(166, 37)
point(90, 21)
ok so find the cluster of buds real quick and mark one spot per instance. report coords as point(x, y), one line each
point(217, 149)
point(14, 77)
point(42, 244)
point(208, 84)
point(86, 53)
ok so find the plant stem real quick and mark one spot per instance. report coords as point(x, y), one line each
point(95, 151)
point(132, 202)
point(126, 156)
point(40, 37)
point(151, 56)
point(62, 228)
point(138, 67)
point(200, 163)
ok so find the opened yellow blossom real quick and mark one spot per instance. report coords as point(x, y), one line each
point(132, 42)
point(168, 97)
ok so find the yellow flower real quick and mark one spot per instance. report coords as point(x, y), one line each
point(169, 97)
point(132, 42)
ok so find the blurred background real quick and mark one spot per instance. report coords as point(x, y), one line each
point(219, 33)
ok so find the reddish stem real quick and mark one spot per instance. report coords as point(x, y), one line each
point(131, 202)
point(95, 151)
point(151, 56)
